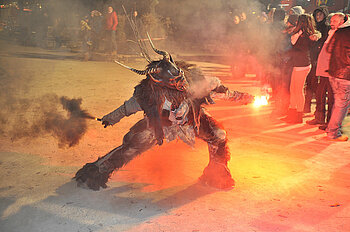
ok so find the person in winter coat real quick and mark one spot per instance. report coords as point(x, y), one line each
point(339, 70)
point(320, 15)
point(96, 23)
point(280, 75)
point(324, 87)
point(111, 28)
point(303, 37)
point(85, 30)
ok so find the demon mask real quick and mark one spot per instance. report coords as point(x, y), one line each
point(163, 72)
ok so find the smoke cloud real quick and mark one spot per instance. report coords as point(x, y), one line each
point(60, 117)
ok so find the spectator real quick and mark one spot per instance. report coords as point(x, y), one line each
point(302, 39)
point(287, 66)
point(278, 77)
point(282, 92)
point(320, 15)
point(96, 22)
point(324, 85)
point(59, 29)
point(111, 28)
point(85, 30)
point(339, 70)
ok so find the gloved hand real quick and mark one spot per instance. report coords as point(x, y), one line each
point(105, 123)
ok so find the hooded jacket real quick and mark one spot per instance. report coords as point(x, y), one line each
point(322, 27)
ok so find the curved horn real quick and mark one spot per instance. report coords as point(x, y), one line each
point(163, 53)
point(153, 70)
point(140, 72)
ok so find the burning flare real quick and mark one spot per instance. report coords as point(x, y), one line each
point(261, 101)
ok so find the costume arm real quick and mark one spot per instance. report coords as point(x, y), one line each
point(243, 98)
point(128, 108)
point(222, 92)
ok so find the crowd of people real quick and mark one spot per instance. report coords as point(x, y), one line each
point(95, 28)
point(307, 62)
point(312, 59)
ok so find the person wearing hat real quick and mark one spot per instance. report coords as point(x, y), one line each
point(281, 91)
point(286, 66)
point(278, 79)
point(296, 10)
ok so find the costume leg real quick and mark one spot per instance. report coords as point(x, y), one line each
point(216, 174)
point(139, 139)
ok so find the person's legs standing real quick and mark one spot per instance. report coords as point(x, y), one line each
point(330, 100)
point(341, 90)
point(108, 40)
point(311, 88)
point(297, 97)
point(321, 94)
point(114, 41)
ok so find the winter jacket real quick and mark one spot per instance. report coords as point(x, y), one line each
point(111, 21)
point(323, 58)
point(339, 47)
point(300, 52)
point(96, 24)
point(322, 27)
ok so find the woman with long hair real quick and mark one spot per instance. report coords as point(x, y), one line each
point(302, 39)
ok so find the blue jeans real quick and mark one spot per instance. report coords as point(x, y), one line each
point(341, 90)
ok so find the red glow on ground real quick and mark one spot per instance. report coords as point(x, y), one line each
point(172, 164)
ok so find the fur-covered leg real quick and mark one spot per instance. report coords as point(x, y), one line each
point(90, 176)
point(95, 175)
point(217, 173)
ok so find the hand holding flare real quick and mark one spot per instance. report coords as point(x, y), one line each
point(104, 123)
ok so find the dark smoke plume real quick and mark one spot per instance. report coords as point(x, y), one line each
point(60, 117)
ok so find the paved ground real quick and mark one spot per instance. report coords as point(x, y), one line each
point(287, 177)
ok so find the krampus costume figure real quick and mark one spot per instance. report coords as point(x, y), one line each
point(171, 100)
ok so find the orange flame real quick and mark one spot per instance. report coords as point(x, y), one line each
point(260, 101)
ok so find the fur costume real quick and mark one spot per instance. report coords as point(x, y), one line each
point(172, 104)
